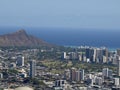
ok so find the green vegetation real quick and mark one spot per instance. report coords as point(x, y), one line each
point(57, 66)
point(12, 71)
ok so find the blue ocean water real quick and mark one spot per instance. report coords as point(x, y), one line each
point(73, 37)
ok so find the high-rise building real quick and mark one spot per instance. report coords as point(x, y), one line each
point(1, 75)
point(98, 81)
point(99, 55)
point(80, 57)
point(118, 52)
point(89, 53)
point(78, 78)
point(105, 55)
point(73, 56)
point(116, 81)
point(94, 55)
point(84, 58)
point(67, 74)
point(82, 74)
point(73, 74)
point(76, 75)
point(107, 72)
point(104, 59)
point(118, 66)
point(64, 55)
point(32, 68)
point(20, 61)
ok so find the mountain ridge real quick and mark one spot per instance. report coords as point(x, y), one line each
point(21, 38)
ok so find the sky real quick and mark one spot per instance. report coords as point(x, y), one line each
point(90, 14)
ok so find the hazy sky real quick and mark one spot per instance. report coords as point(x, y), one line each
point(98, 14)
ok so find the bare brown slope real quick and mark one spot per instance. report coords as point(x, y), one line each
point(21, 38)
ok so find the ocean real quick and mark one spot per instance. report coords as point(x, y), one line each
point(72, 37)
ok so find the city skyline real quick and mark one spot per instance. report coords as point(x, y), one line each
point(59, 45)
